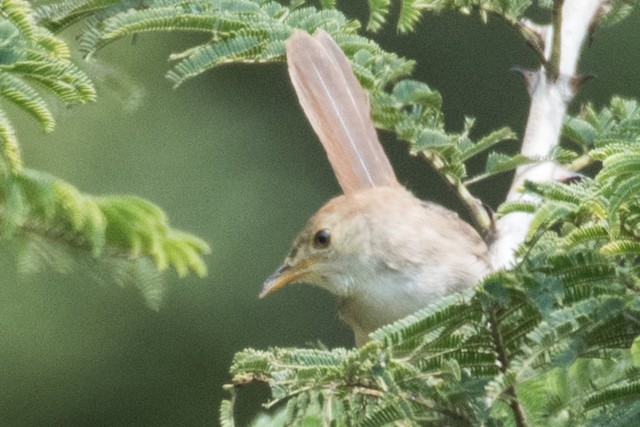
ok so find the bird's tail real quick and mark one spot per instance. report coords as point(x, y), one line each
point(338, 109)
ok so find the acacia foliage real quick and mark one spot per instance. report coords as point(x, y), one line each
point(553, 340)
point(50, 221)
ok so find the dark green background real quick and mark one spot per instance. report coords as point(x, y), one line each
point(231, 158)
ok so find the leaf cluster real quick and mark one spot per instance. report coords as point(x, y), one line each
point(33, 60)
point(251, 31)
point(410, 11)
point(55, 223)
point(52, 221)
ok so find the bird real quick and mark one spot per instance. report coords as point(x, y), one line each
point(380, 250)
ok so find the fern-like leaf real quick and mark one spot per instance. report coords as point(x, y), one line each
point(30, 54)
point(378, 11)
point(112, 230)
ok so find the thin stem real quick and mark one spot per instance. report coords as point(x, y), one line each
point(581, 163)
point(503, 358)
point(479, 215)
point(533, 40)
point(553, 68)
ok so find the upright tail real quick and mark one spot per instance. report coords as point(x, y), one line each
point(338, 110)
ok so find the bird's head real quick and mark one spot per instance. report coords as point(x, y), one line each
point(337, 246)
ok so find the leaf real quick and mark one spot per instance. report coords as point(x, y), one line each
point(411, 10)
point(226, 414)
point(210, 56)
point(579, 131)
point(378, 11)
point(586, 233)
point(621, 247)
point(30, 54)
point(516, 206)
point(635, 352)
point(619, 165)
point(411, 91)
point(10, 160)
point(27, 99)
point(488, 141)
point(499, 163)
point(117, 232)
point(410, 13)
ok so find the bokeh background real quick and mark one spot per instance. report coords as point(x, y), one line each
point(231, 158)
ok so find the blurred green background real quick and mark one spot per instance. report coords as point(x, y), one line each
point(231, 158)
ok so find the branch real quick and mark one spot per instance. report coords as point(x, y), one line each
point(503, 358)
point(550, 94)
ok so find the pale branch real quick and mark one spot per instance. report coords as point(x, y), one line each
point(551, 90)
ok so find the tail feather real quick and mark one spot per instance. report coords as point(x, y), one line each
point(338, 110)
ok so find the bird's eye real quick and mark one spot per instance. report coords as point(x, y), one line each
point(322, 238)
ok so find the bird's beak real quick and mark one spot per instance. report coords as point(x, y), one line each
point(286, 275)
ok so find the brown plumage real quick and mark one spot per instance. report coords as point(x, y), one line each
point(382, 252)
